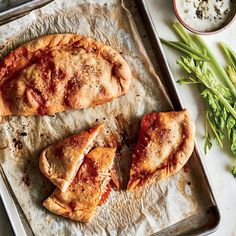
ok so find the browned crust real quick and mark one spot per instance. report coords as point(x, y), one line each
point(23, 56)
point(81, 205)
point(88, 137)
point(178, 159)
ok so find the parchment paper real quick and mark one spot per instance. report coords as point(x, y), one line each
point(23, 138)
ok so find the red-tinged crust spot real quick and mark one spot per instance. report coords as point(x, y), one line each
point(40, 99)
point(73, 205)
point(150, 122)
point(58, 151)
point(51, 74)
point(140, 175)
point(73, 85)
point(147, 125)
point(60, 74)
point(105, 195)
point(76, 140)
point(10, 66)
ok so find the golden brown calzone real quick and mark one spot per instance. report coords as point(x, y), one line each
point(88, 188)
point(59, 72)
point(166, 141)
point(61, 161)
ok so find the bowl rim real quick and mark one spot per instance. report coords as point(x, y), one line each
point(200, 31)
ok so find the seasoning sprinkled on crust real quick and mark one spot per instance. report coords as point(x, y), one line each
point(60, 72)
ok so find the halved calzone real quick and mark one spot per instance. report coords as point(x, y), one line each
point(89, 188)
point(166, 141)
point(61, 161)
point(59, 72)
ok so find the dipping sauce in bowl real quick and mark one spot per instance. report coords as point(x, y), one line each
point(205, 16)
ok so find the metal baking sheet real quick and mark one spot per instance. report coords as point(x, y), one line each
point(201, 223)
point(13, 9)
point(8, 4)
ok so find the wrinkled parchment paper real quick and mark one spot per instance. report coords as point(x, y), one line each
point(23, 138)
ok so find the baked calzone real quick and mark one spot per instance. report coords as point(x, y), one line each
point(61, 161)
point(88, 188)
point(166, 141)
point(60, 72)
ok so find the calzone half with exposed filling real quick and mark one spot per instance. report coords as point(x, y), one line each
point(89, 189)
point(61, 161)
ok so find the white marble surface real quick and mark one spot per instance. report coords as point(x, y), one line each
point(218, 162)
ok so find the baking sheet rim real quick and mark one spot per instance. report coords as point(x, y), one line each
point(7, 197)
